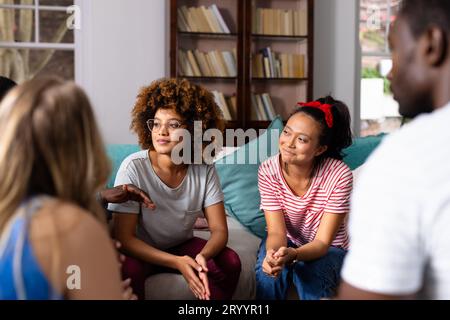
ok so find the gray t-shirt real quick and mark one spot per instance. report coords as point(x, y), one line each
point(171, 223)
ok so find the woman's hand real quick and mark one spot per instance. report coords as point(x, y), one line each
point(270, 264)
point(189, 268)
point(285, 256)
point(203, 275)
point(127, 290)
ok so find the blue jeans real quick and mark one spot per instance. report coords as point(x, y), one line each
point(313, 279)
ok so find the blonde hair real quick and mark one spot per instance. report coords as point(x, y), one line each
point(50, 144)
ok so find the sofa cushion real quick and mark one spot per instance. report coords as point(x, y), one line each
point(117, 153)
point(360, 150)
point(239, 179)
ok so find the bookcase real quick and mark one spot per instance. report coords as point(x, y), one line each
point(256, 56)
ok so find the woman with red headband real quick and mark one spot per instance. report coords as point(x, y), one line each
point(305, 192)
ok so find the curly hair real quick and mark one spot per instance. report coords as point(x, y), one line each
point(190, 101)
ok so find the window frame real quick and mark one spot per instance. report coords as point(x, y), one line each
point(385, 53)
point(36, 44)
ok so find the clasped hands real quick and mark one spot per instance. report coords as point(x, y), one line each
point(275, 261)
point(195, 272)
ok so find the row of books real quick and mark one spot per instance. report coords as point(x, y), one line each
point(195, 63)
point(280, 22)
point(262, 107)
point(269, 64)
point(201, 19)
point(226, 104)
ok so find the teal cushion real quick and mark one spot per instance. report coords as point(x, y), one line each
point(117, 153)
point(360, 150)
point(238, 173)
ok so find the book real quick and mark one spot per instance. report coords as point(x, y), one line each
point(203, 64)
point(259, 21)
point(219, 58)
point(260, 107)
point(188, 18)
point(215, 23)
point(303, 15)
point(255, 112)
point(208, 20)
point(214, 63)
point(193, 63)
point(230, 63)
point(232, 103)
point(221, 102)
point(270, 111)
point(182, 23)
point(186, 69)
point(280, 22)
point(195, 19)
point(219, 18)
point(211, 65)
point(290, 19)
point(202, 19)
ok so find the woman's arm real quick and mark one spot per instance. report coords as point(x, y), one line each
point(125, 232)
point(329, 226)
point(276, 239)
point(276, 230)
point(217, 222)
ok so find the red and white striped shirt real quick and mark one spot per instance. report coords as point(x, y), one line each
point(329, 192)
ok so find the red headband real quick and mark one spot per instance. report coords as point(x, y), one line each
point(326, 108)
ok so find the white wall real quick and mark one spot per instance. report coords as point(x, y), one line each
point(121, 47)
point(337, 57)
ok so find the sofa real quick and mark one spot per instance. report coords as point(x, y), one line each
point(246, 222)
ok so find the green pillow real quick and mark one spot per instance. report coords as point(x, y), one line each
point(238, 173)
point(117, 153)
point(360, 150)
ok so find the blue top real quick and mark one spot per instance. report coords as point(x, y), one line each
point(21, 275)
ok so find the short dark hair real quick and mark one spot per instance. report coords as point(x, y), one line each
point(6, 84)
point(421, 13)
point(339, 136)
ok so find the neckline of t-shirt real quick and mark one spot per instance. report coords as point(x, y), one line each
point(286, 185)
point(149, 163)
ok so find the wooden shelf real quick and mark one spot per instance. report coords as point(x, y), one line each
point(208, 35)
point(209, 78)
point(280, 79)
point(278, 37)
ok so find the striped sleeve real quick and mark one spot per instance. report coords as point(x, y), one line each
point(339, 200)
point(269, 201)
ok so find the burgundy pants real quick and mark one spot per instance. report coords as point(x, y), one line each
point(223, 274)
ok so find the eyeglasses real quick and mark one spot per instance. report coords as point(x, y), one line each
point(156, 125)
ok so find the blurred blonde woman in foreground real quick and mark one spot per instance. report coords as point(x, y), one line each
point(54, 243)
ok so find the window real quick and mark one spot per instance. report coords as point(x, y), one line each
point(36, 39)
point(379, 111)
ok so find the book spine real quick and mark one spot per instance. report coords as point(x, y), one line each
point(220, 19)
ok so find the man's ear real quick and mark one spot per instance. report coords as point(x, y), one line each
point(435, 41)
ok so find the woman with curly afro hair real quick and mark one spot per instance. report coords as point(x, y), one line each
point(162, 240)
